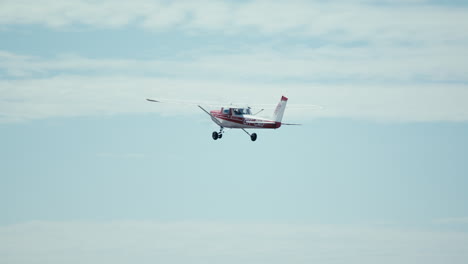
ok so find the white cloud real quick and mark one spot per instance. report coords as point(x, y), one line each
point(215, 242)
point(337, 20)
point(103, 95)
point(377, 87)
point(411, 65)
point(373, 63)
point(205, 77)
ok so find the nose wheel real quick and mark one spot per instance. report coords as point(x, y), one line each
point(215, 135)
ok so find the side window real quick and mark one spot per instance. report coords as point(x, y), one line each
point(226, 111)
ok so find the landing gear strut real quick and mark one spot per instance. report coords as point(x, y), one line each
point(215, 135)
point(253, 136)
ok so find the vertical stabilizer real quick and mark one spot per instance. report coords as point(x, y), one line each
point(279, 111)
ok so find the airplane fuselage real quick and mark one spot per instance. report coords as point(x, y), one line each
point(242, 121)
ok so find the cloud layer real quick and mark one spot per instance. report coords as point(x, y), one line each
point(74, 96)
point(334, 18)
point(215, 242)
point(391, 61)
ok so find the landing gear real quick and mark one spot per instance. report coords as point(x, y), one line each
point(215, 135)
point(253, 136)
point(218, 135)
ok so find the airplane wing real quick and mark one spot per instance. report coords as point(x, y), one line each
point(171, 101)
point(237, 105)
point(191, 103)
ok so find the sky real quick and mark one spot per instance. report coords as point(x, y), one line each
point(90, 172)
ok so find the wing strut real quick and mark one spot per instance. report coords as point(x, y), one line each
point(212, 117)
point(246, 132)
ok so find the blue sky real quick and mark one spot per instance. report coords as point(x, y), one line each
point(91, 172)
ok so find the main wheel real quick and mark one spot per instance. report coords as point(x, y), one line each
point(220, 135)
point(253, 137)
point(215, 135)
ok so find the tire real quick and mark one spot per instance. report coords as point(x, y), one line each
point(215, 135)
point(253, 137)
point(220, 136)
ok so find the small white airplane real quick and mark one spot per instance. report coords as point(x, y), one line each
point(242, 118)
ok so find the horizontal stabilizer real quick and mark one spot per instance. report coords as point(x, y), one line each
point(289, 124)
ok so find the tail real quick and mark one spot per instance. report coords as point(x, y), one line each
point(279, 111)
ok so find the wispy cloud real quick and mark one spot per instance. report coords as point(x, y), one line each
point(214, 242)
point(78, 96)
point(329, 63)
point(344, 19)
point(393, 60)
point(41, 88)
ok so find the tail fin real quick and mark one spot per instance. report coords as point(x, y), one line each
point(279, 111)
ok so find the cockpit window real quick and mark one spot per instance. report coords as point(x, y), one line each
point(242, 111)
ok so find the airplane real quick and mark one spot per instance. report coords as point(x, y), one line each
point(242, 118)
